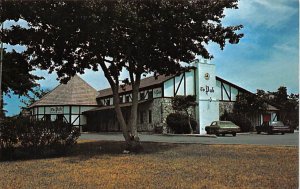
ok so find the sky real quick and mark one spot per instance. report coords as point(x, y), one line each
point(266, 58)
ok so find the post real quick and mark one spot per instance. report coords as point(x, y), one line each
point(1, 62)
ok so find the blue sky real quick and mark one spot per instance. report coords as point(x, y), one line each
point(266, 58)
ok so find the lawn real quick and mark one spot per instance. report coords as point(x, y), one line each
point(161, 165)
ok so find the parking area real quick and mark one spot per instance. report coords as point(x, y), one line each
point(289, 139)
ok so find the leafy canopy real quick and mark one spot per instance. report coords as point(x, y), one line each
point(17, 76)
point(140, 36)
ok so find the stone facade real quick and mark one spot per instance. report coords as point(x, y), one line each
point(226, 106)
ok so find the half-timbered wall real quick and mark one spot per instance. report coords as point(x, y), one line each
point(68, 114)
point(183, 84)
point(127, 97)
point(227, 92)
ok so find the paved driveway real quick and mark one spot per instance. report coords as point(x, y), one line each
point(289, 139)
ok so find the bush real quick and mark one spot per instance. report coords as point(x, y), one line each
point(178, 123)
point(37, 137)
point(238, 119)
point(8, 138)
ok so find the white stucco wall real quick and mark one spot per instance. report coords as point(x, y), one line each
point(207, 95)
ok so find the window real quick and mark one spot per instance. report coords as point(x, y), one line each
point(150, 94)
point(107, 102)
point(150, 116)
point(141, 117)
point(121, 99)
point(142, 95)
point(47, 117)
point(127, 98)
point(60, 117)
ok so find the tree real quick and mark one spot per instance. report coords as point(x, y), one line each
point(288, 105)
point(37, 94)
point(137, 36)
point(248, 103)
point(183, 104)
point(17, 74)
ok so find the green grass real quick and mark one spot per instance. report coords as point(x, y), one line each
point(160, 165)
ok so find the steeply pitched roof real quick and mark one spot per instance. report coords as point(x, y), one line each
point(146, 82)
point(272, 108)
point(75, 92)
point(234, 85)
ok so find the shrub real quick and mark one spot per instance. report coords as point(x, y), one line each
point(37, 137)
point(178, 123)
point(242, 121)
point(8, 138)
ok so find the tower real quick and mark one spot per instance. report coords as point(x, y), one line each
point(206, 94)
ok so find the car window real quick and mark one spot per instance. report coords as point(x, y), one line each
point(213, 123)
point(277, 123)
point(226, 124)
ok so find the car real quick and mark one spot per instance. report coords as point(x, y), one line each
point(273, 127)
point(222, 127)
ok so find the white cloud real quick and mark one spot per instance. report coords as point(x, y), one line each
point(269, 13)
point(278, 67)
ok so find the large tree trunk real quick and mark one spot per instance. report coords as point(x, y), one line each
point(129, 130)
point(132, 123)
point(115, 88)
point(120, 117)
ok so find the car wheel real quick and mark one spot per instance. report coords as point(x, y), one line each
point(233, 134)
point(258, 132)
point(223, 134)
point(218, 134)
point(282, 133)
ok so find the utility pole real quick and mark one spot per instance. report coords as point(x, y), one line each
point(1, 62)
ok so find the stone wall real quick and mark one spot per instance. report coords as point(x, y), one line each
point(225, 106)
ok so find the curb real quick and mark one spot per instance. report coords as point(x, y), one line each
point(190, 135)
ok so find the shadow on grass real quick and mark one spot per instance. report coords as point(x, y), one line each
point(87, 150)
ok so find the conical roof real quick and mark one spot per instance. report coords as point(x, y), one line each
point(75, 92)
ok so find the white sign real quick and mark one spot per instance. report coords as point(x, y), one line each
point(207, 89)
point(57, 110)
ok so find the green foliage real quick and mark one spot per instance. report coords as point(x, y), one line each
point(248, 103)
point(288, 105)
point(238, 119)
point(183, 103)
point(36, 137)
point(138, 36)
point(35, 95)
point(8, 138)
point(17, 74)
point(178, 123)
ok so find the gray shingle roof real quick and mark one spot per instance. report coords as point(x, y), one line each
point(75, 92)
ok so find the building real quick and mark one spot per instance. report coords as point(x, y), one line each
point(66, 102)
point(78, 103)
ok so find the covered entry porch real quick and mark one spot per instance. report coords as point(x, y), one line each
point(104, 119)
